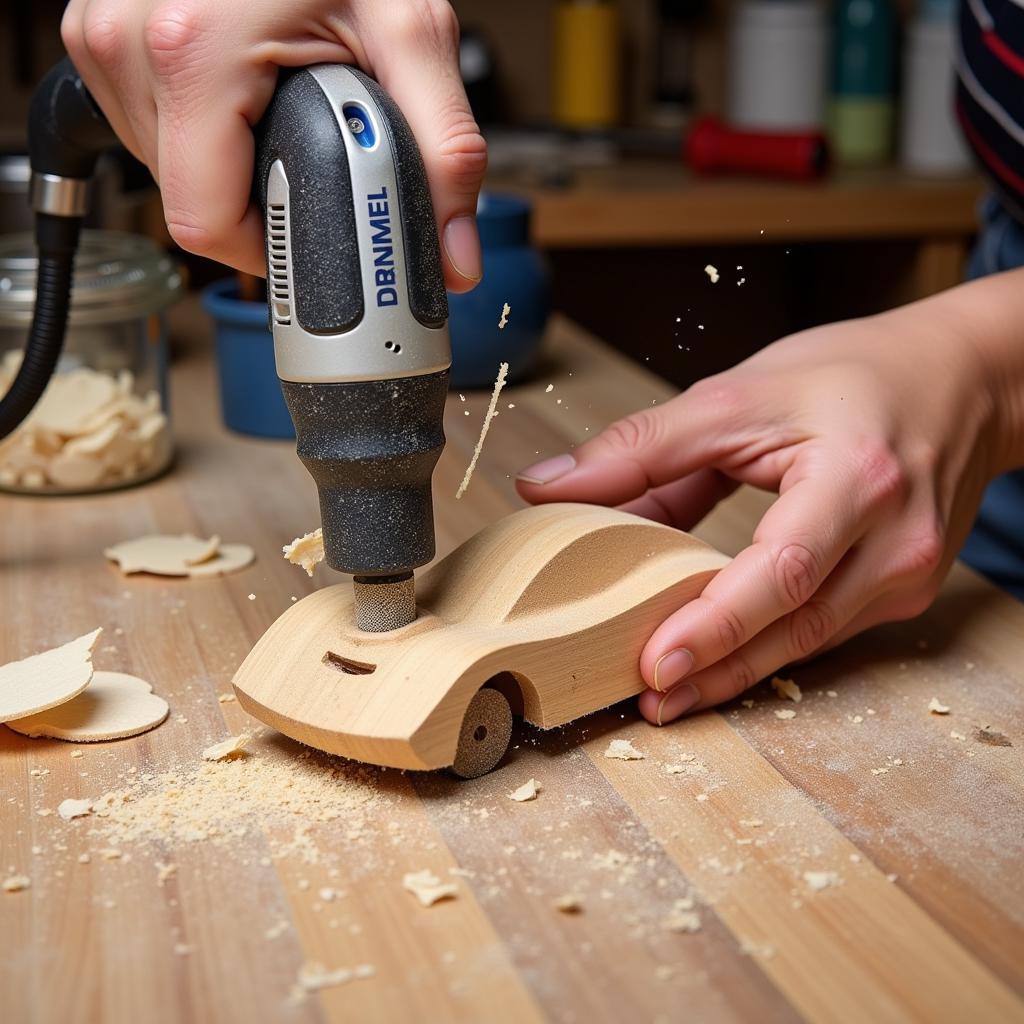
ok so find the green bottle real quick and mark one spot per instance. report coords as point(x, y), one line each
point(862, 105)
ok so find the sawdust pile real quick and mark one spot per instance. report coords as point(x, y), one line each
point(277, 792)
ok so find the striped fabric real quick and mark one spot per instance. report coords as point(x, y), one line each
point(990, 91)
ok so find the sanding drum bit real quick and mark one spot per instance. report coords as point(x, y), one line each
point(359, 313)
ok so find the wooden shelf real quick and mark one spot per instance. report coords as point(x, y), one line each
point(659, 203)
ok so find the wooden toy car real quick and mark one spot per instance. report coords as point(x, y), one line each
point(542, 614)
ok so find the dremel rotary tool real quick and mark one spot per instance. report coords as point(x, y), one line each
point(357, 305)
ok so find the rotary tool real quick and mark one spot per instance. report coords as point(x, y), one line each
point(355, 295)
point(359, 313)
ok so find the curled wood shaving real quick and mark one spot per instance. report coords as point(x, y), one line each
point(227, 748)
point(427, 887)
point(307, 550)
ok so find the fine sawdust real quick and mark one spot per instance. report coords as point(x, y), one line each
point(281, 793)
point(113, 706)
point(44, 680)
point(307, 550)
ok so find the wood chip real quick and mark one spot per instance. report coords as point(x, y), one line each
point(527, 791)
point(45, 680)
point(785, 713)
point(936, 707)
point(427, 887)
point(162, 555)
point(623, 750)
point(113, 706)
point(787, 688)
point(16, 883)
point(568, 904)
point(819, 880)
point(227, 748)
point(712, 273)
point(307, 550)
point(72, 808)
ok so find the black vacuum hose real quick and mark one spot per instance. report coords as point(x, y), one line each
point(49, 320)
point(67, 133)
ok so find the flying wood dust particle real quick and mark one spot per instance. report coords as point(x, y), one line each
point(488, 416)
point(712, 273)
point(505, 310)
point(281, 793)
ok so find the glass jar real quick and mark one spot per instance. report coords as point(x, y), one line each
point(103, 420)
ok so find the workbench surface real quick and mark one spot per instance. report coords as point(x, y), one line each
point(208, 887)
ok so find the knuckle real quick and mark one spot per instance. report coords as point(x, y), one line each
point(720, 393)
point(635, 432)
point(740, 675)
point(810, 627)
point(882, 474)
point(923, 551)
point(463, 153)
point(103, 35)
point(797, 573)
point(731, 631)
point(171, 33)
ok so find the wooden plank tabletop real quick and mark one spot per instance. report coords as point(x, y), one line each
point(659, 202)
point(202, 890)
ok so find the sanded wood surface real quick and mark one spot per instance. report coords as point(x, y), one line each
point(921, 913)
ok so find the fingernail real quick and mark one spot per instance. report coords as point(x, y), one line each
point(671, 668)
point(548, 470)
point(677, 702)
point(462, 246)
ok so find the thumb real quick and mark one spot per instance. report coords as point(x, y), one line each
point(646, 449)
point(418, 63)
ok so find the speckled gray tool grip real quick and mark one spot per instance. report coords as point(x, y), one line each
point(371, 447)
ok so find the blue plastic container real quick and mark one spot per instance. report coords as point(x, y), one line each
point(513, 273)
point(251, 401)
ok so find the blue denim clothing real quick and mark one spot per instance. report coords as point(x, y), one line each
point(995, 546)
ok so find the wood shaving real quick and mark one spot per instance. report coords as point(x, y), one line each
point(42, 681)
point(89, 429)
point(488, 416)
point(527, 791)
point(819, 880)
point(505, 310)
point(936, 707)
point(227, 748)
point(623, 750)
point(785, 713)
point(162, 555)
point(307, 550)
point(427, 887)
point(568, 904)
point(16, 883)
point(72, 808)
point(787, 688)
point(113, 706)
point(712, 273)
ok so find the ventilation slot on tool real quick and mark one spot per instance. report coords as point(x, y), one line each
point(277, 252)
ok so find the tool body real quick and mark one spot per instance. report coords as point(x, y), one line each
point(358, 309)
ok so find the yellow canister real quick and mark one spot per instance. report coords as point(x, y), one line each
point(586, 76)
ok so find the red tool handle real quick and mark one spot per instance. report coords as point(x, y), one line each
point(713, 147)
